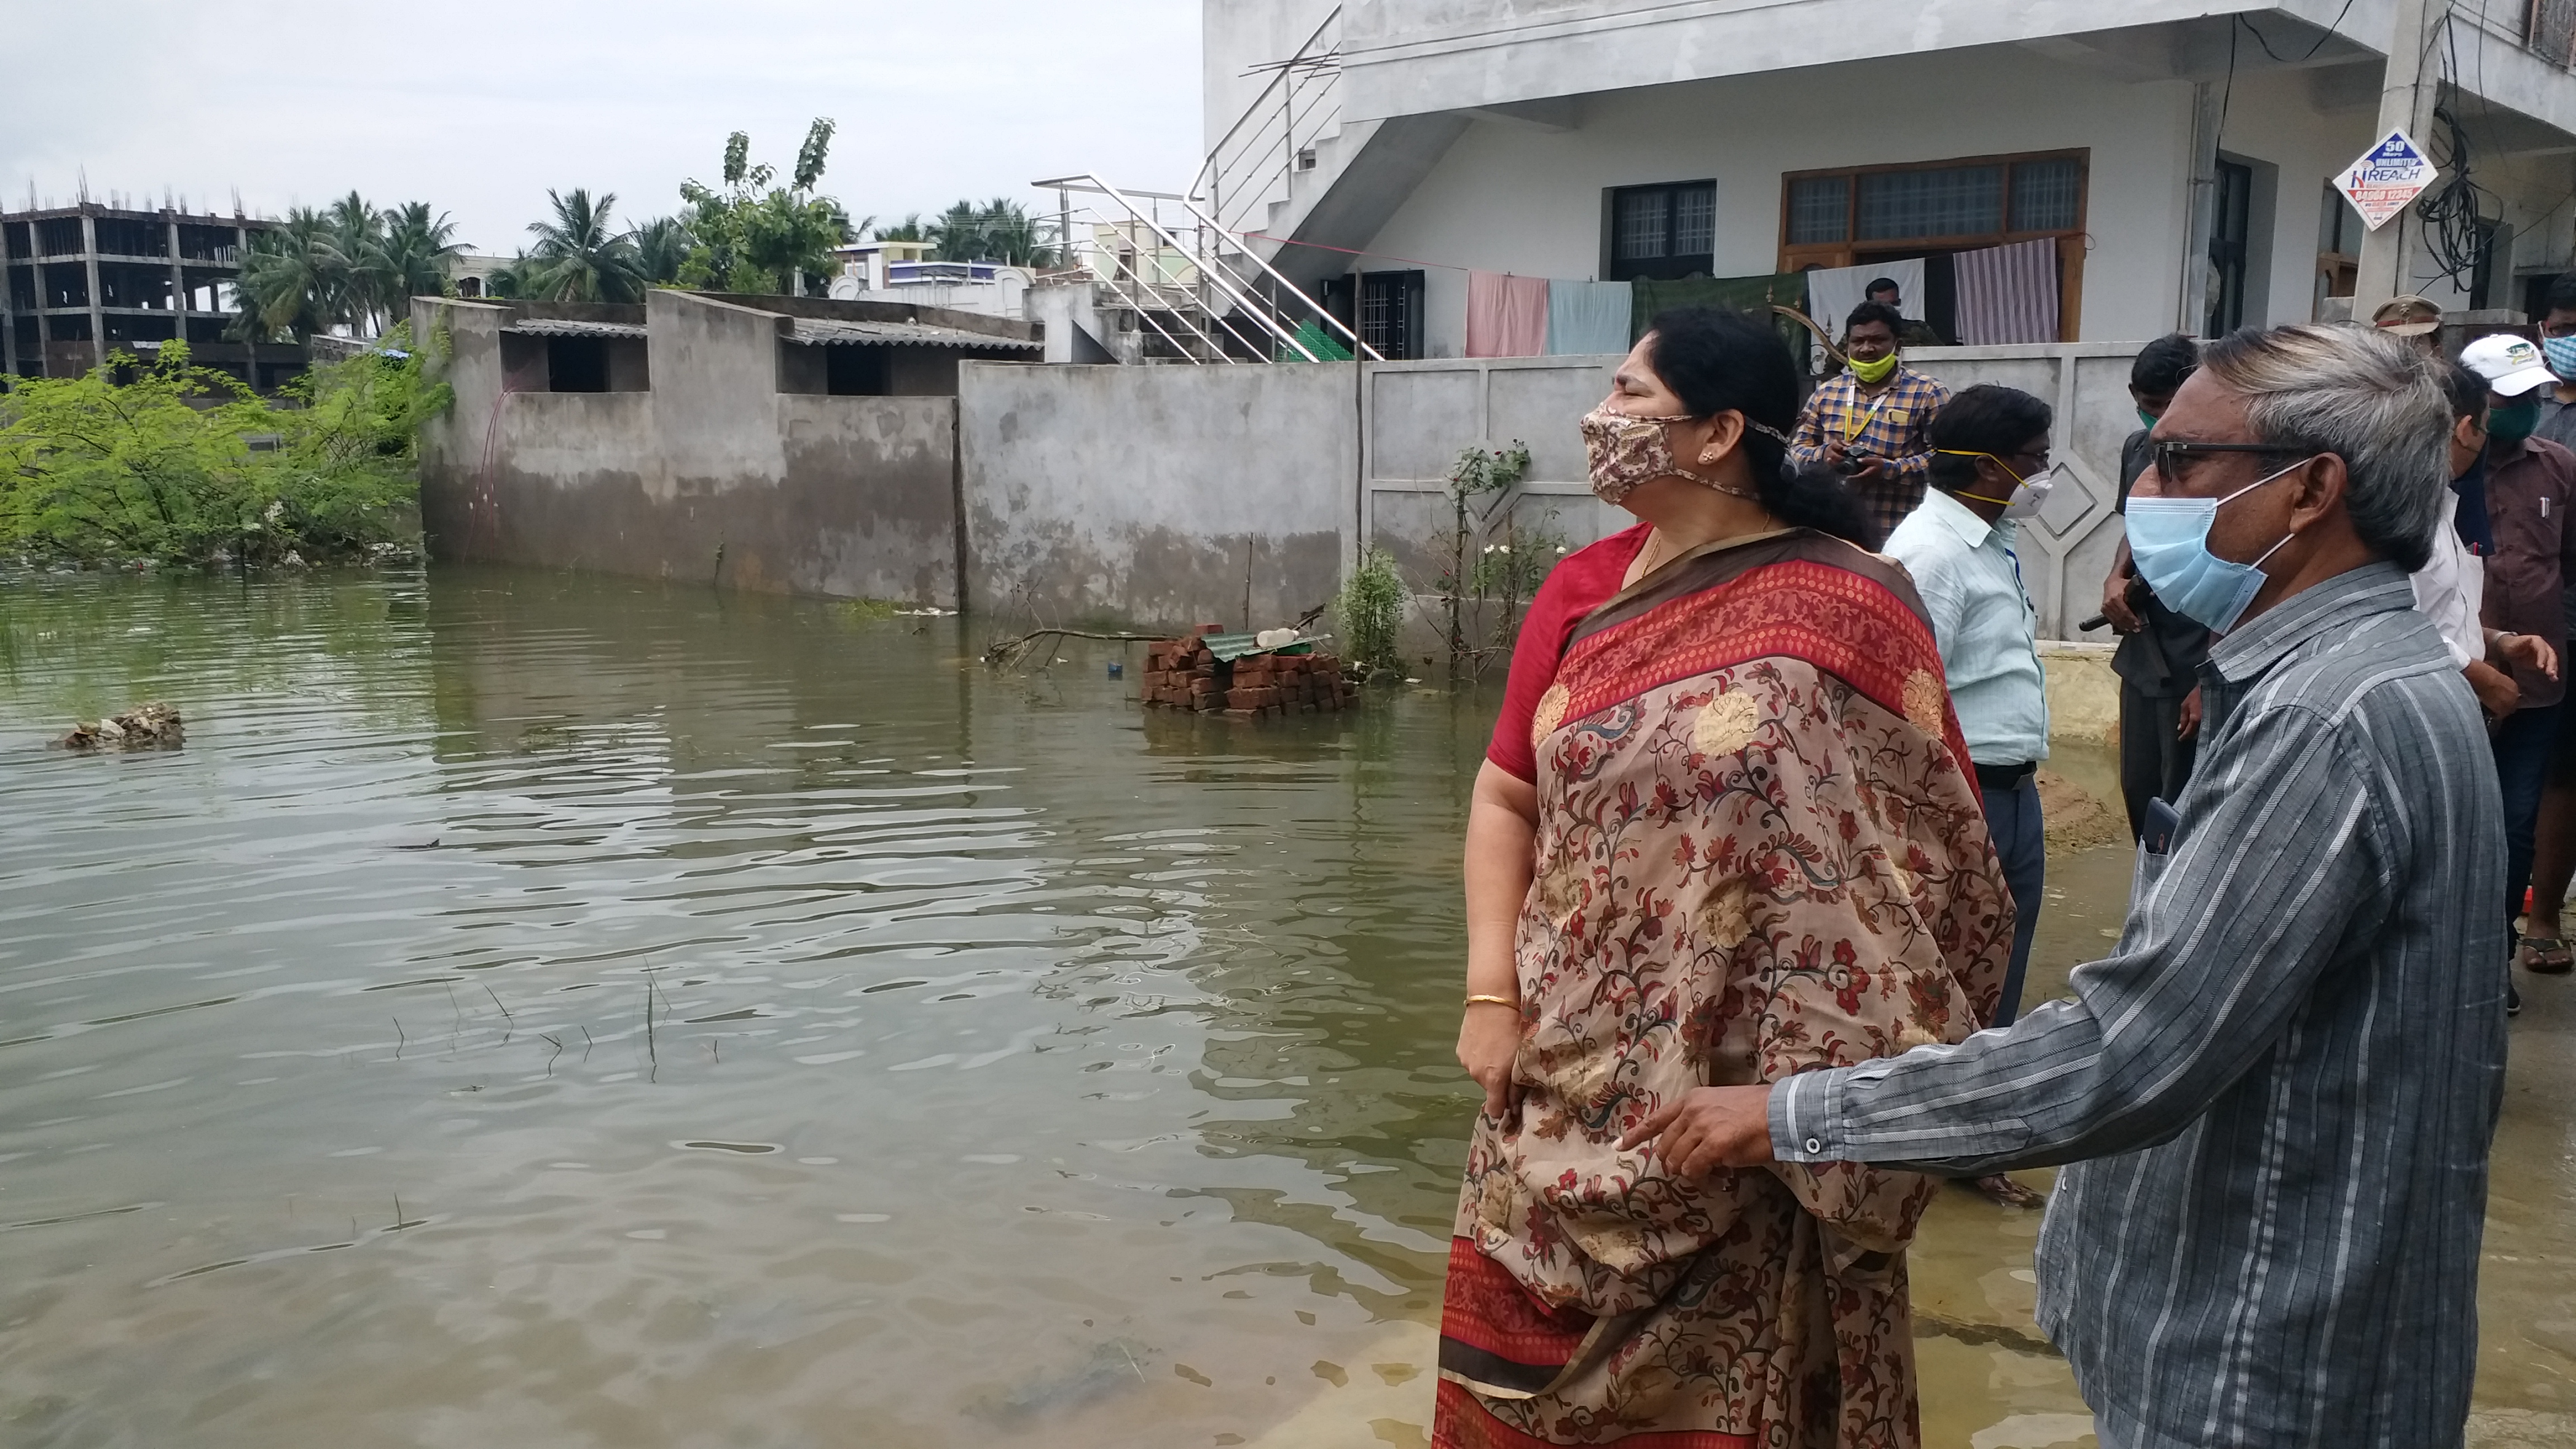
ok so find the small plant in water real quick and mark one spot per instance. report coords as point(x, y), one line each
point(1478, 473)
point(1371, 608)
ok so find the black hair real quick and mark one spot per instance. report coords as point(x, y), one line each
point(1875, 312)
point(1719, 360)
point(2561, 296)
point(2468, 390)
point(1881, 284)
point(2164, 363)
point(1987, 418)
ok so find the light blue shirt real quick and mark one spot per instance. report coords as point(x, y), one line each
point(1983, 621)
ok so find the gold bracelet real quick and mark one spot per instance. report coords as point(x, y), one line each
point(1477, 997)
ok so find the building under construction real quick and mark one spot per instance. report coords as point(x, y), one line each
point(84, 281)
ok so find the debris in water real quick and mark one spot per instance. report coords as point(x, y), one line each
point(152, 726)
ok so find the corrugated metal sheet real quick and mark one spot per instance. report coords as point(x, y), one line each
point(561, 327)
point(815, 332)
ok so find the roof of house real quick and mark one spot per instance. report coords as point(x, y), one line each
point(565, 327)
point(820, 333)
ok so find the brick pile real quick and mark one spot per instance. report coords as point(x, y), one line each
point(1183, 674)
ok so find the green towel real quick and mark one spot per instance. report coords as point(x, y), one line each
point(1318, 343)
point(1746, 294)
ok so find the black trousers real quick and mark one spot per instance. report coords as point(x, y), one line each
point(2153, 762)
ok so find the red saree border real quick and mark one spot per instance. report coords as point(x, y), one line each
point(1459, 1421)
point(1494, 1332)
point(1842, 622)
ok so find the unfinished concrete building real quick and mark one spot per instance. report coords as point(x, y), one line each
point(84, 281)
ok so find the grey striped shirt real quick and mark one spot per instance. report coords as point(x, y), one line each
point(2279, 1091)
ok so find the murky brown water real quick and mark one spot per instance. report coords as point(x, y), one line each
point(1019, 1068)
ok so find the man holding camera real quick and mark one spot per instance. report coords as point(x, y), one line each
point(1869, 421)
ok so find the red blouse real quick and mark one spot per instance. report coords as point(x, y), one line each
point(1581, 582)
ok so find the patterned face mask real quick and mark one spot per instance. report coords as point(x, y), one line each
point(1625, 452)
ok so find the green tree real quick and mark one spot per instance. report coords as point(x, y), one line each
point(1000, 230)
point(752, 236)
point(909, 229)
point(662, 248)
point(293, 281)
point(579, 256)
point(162, 465)
point(411, 259)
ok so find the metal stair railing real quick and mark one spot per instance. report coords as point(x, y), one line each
point(1223, 301)
point(1246, 170)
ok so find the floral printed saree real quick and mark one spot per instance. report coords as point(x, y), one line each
point(1759, 852)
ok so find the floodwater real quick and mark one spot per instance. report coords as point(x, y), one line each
point(566, 1011)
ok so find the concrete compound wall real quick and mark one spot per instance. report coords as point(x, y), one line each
point(1159, 496)
point(714, 474)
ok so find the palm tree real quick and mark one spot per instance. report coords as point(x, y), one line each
point(958, 234)
point(909, 229)
point(579, 258)
point(354, 232)
point(661, 247)
point(291, 280)
point(411, 258)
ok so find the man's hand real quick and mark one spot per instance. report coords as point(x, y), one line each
point(1873, 470)
point(1707, 1128)
point(2497, 694)
point(2190, 715)
point(1489, 1041)
point(2115, 606)
point(2526, 651)
point(1834, 453)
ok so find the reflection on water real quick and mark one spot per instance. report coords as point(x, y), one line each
point(579, 1012)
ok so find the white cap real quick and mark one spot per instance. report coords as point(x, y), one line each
point(2511, 365)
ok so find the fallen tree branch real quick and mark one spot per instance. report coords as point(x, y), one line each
point(1009, 651)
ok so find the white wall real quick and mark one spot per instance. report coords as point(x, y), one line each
point(1235, 36)
point(1512, 198)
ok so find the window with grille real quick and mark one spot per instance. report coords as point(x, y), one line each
point(1856, 215)
point(1662, 232)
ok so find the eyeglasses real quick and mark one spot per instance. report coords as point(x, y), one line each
point(2172, 456)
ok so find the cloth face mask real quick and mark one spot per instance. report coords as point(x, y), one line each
point(1873, 373)
point(2169, 543)
point(1624, 452)
point(2561, 352)
point(2514, 421)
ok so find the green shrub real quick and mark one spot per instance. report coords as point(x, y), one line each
point(1371, 608)
point(183, 464)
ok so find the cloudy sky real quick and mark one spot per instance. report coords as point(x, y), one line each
point(479, 106)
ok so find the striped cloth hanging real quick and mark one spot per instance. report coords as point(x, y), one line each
point(2007, 294)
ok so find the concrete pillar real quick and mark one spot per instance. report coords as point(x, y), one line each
point(2406, 97)
point(97, 314)
point(178, 277)
point(9, 308)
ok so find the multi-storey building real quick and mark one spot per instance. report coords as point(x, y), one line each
point(2177, 157)
point(84, 281)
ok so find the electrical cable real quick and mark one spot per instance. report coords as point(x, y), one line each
point(2311, 51)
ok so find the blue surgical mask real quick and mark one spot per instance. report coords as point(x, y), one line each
point(2561, 352)
point(2169, 543)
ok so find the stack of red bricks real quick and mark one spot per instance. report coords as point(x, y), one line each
point(1183, 674)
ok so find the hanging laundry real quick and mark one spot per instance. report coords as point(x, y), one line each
point(1506, 315)
point(2007, 294)
point(1757, 294)
point(1587, 319)
point(1832, 292)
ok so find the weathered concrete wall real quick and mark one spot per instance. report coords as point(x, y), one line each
point(1158, 496)
point(714, 475)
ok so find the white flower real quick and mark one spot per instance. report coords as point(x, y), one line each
point(1505, 547)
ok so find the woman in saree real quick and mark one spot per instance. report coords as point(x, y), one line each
point(1726, 832)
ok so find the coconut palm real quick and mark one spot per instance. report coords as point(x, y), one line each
point(998, 231)
point(579, 257)
point(411, 258)
point(908, 229)
point(662, 248)
point(293, 280)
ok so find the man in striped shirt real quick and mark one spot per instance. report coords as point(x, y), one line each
point(2277, 1095)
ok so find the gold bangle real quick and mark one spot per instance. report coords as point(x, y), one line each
point(1480, 997)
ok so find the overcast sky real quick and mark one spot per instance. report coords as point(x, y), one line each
point(478, 106)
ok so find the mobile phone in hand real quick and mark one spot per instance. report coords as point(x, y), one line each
point(2161, 823)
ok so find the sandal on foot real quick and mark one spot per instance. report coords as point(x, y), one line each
point(2546, 956)
point(2002, 1191)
